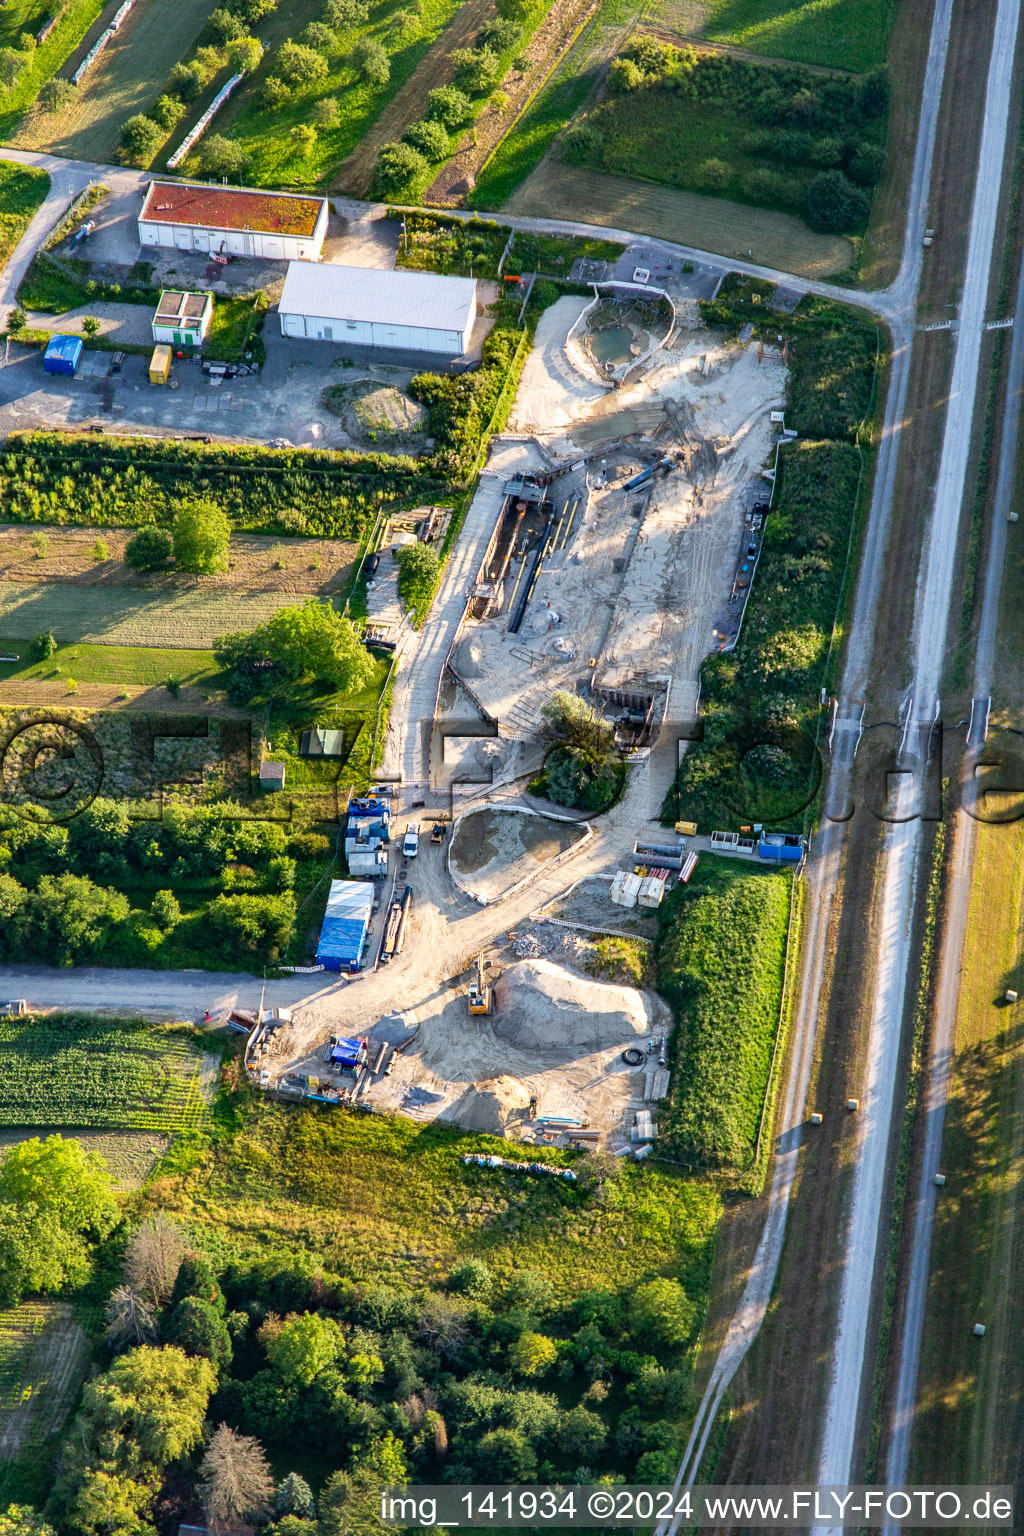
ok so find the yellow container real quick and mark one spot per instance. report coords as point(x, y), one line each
point(160, 364)
point(686, 828)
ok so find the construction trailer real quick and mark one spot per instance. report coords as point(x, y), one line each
point(346, 925)
point(368, 863)
point(374, 812)
point(63, 354)
point(160, 364)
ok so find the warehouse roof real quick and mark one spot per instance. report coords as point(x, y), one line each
point(369, 294)
point(267, 213)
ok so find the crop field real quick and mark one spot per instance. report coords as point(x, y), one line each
point(844, 34)
point(128, 616)
point(43, 1359)
point(710, 223)
point(126, 78)
point(84, 1072)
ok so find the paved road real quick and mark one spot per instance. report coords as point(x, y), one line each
point(903, 843)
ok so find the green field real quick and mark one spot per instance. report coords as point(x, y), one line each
point(75, 1070)
point(22, 189)
point(721, 951)
point(132, 665)
point(132, 617)
point(843, 34)
point(20, 16)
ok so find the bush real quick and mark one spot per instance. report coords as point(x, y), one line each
point(168, 111)
point(662, 1314)
point(319, 37)
point(185, 81)
point(713, 175)
point(219, 156)
point(201, 535)
point(166, 910)
point(274, 92)
point(297, 65)
point(140, 139)
point(773, 188)
point(418, 570)
point(252, 927)
point(344, 14)
point(224, 26)
point(429, 139)
point(532, 1354)
point(501, 34)
point(834, 204)
point(477, 70)
point(828, 153)
point(325, 113)
point(44, 645)
point(448, 105)
point(149, 549)
point(371, 62)
point(865, 163)
point(397, 165)
point(56, 94)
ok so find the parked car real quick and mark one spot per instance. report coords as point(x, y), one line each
point(411, 841)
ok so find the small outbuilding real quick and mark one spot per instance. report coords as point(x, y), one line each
point(370, 307)
point(181, 318)
point(160, 364)
point(233, 221)
point(345, 926)
point(272, 775)
point(63, 354)
point(320, 742)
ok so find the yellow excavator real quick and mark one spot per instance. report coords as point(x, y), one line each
point(479, 990)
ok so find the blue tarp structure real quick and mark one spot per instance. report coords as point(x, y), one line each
point(345, 925)
point(62, 354)
point(347, 1052)
point(781, 847)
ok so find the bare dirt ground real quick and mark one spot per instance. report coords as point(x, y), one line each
point(551, 41)
point(553, 1035)
point(776, 239)
point(256, 563)
point(494, 849)
point(407, 105)
point(639, 584)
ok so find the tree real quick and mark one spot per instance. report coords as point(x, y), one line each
point(273, 92)
point(866, 162)
point(90, 326)
point(305, 1347)
point(23, 1520)
point(477, 70)
point(44, 645)
point(304, 138)
point(297, 65)
point(342, 14)
point(397, 165)
point(201, 537)
point(834, 204)
point(532, 1354)
point(200, 1329)
point(195, 1277)
point(429, 138)
point(56, 94)
point(350, 1501)
point(154, 1253)
point(224, 26)
point(185, 81)
point(219, 156)
point(56, 1201)
point(713, 175)
point(130, 1319)
point(418, 570)
point(582, 1434)
point(67, 915)
point(448, 105)
point(15, 320)
point(505, 1456)
point(149, 549)
point(314, 641)
point(320, 37)
point(294, 1497)
point(235, 1482)
point(326, 113)
point(471, 1278)
point(253, 927)
point(661, 1313)
point(245, 55)
point(371, 62)
point(140, 139)
point(166, 910)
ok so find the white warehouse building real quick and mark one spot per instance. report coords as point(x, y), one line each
point(233, 221)
point(370, 307)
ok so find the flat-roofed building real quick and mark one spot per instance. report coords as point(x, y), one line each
point(371, 307)
point(181, 318)
point(233, 221)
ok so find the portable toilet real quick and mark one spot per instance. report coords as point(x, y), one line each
point(160, 364)
point(62, 354)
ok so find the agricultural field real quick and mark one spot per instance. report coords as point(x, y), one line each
point(841, 34)
point(126, 78)
point(44, 1356)
point(40, 63)
point(122, 665)
point(75, 1070)
point(720, 955)
point(778, 240)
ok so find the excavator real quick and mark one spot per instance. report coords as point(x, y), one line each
point(479, 990)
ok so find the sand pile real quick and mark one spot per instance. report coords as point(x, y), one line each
point(543, 1006)
point(490, 1105)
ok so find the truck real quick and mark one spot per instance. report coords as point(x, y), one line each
point(411, 841)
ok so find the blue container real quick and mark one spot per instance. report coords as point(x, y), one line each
point(62, 354)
